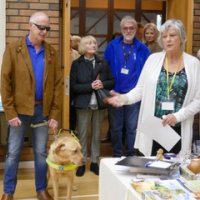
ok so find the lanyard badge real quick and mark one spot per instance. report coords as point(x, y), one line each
point(126, 55)
point(169, 104)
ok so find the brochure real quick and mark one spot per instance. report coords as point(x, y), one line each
point(162, 190)
point(193, 186)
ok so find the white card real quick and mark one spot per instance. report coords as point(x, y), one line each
point(124, 71)
point(168, 105)
point(153, 128)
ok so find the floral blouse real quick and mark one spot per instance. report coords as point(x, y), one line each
point(176, 95)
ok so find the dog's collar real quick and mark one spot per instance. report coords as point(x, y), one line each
point(67, 167)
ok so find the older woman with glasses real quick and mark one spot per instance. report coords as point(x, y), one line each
point(168, 89)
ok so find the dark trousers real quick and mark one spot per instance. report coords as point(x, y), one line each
point(123, 117)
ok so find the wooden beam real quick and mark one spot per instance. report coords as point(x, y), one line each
point(138, 10)
point(82, 17)
point(184, 12)
point(164, 7)
point(110, 13)
point(66, 61)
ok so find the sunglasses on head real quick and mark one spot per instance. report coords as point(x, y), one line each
point(42, 27)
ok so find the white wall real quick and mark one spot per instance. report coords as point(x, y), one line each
point(2, 28)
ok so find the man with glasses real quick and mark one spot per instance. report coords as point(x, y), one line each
point(126, 56)
point(31, 91)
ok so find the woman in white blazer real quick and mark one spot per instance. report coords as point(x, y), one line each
point(168, 88)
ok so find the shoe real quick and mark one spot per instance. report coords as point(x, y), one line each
point(7, 197)
point(105, 140)
point(94, 167)
point(44, 195)
point(80, 171)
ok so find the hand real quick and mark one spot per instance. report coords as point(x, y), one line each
point(169, 119)
point(15, 122)
point(114, 101)
point(97, 84)
point(113, 93)
point(53, 124)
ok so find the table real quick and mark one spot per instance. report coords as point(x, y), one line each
point(114, 181)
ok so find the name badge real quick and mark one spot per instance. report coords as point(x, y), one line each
point(124, 71)
point(168, 105)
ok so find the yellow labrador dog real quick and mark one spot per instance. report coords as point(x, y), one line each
point(64, 157)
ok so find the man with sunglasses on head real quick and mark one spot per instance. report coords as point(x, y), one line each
point(31, 91)
point(126, 56)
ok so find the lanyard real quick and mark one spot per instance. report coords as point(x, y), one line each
point(127, 54)
point(170, 84)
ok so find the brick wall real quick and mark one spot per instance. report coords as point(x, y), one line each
point(196, 47)
point(19, 11)
point(196, 25)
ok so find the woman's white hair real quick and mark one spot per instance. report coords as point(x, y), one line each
point(85, 40)
point(178, 25)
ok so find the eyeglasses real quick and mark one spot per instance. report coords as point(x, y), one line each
point(42, 27)
point(130, 28)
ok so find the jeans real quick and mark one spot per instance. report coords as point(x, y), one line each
point(15, 144)
point(126, 118)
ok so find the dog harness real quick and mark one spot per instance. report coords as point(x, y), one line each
point(67, 167)
point(71, 132)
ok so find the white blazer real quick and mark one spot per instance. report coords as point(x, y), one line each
point(145, 91)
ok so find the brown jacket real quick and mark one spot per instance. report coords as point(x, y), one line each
point(18, 83)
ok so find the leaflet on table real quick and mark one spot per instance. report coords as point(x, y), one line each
point(193, 186)
point(166, 195)
point(163, 189)
point(164, 135)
